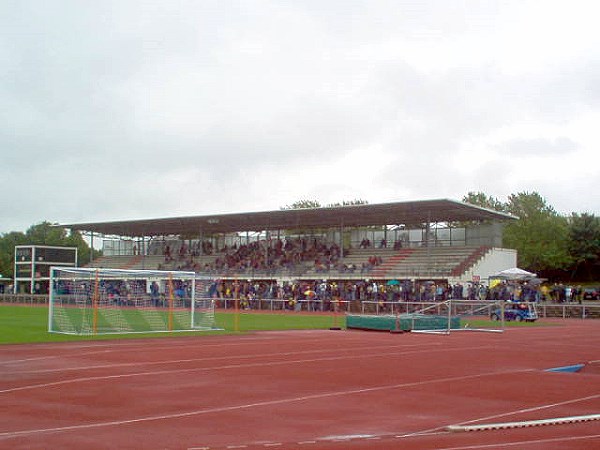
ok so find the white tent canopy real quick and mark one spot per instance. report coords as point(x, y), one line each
point(514, 274)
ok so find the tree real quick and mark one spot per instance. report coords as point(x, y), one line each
point(310, 204)
point(584, 244)
point(43, 233)
point(481, 199)
point(540, 236)
point(7, 251)
point(303, 204)
point(358, 201)
point(307, 204)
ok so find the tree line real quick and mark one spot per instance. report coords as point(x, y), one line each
point(552, 245)
point(40, 234)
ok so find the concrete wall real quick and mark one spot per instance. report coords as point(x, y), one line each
point(494, 261)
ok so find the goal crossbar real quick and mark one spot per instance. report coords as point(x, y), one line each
point(109, 301)
point(465, 311)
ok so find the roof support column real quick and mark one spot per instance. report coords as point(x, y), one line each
point(427, 243)
point(342, 241)
point(201, 242)
point(142, 249)
point(91, 247)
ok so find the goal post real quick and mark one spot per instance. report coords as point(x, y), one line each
point(437, 317)
point(104, 301)
point(467, 315)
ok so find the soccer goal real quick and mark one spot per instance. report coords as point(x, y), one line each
point(105, 301)
point(439, 317)
point(464, 315)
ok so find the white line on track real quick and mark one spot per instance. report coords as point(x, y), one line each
point(337, 350)
point(14, 434)
point(70, 348)
point(38, 358)
point(67, 349)
point(442, 429)
point(130, 347)
point(439, 430)
point(386, 354)
point(520, 444)
point(433, 432)
point(535, 408)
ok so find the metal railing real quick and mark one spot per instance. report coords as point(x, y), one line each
point(476, 307)
point(24, 299)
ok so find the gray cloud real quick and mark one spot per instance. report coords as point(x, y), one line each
point(539, 147)
point(139, 109)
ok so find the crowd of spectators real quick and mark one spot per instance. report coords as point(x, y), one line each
point(277, 254)
point(266, 256)
point(560, 293)
point(297, 254)
point(270, 257)
point(128, 292)
point(325, 295)
point(366, 243)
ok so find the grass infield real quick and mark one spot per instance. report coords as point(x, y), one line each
point(29, 324)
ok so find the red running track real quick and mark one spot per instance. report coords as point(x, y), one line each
point(304, 390)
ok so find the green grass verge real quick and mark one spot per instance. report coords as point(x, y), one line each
point(27, 324)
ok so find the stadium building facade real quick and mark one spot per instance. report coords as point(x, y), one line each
point(444, 240)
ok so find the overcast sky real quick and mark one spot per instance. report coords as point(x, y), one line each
point(123, 109)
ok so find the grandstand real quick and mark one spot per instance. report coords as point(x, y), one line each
point(430, 239)
point(443, 262)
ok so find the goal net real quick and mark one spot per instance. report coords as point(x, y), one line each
point(440, 317)
point(463, 315)
point(103, 301)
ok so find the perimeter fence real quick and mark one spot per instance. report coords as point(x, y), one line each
point(459, 307)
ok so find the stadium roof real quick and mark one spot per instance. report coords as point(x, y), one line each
point(398, 213)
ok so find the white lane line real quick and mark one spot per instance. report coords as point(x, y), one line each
point(224, 367)
point(12, 434)
point(68, 349)
point(124, 348)
point(39, 358)
point(532, 409)
point(186, 360)
point(520, 444)
point(443, 429)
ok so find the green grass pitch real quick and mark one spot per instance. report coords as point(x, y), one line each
point(29, 324)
